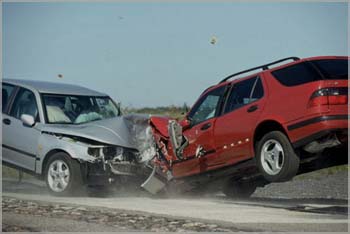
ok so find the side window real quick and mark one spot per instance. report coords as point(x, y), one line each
point(207, 107)
point(7, 91)
point(242, 94)
point(258, 91)
point(25, 103)
point(297, 74)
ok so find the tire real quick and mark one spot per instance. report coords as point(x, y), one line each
point(66, 181)
point(276, 169)
point(240, 190)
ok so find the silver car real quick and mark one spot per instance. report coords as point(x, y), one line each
point(70, 135)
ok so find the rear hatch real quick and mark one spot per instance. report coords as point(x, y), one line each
point(334, 92)
point(318, 86)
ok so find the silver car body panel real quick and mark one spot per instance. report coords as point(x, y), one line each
point(109, 131)
point(130, 131)
point(19, 143)
point(75, 149)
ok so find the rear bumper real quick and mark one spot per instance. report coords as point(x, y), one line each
point(306, 131)
point(340, 133)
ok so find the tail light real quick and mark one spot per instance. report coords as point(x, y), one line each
point(329, 96)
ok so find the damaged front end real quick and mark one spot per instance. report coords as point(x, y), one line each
point(130, 146)
point(119, 147)
point(169, 144)
point(111, 162)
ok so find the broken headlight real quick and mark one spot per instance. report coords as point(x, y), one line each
point(94, 152)
point(114, 153)
point(110, 152)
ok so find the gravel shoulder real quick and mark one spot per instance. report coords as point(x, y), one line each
point(323, 184)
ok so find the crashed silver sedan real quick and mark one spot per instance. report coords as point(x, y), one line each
point(71, 136)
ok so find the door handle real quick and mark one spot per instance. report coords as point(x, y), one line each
point(6, 121)
point(205, 126)
point(252, 108)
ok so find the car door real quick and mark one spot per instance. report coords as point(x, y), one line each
point(20, 142)
point(200, 134)
point(234, 129)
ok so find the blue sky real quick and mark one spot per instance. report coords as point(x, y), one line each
point(155, 54)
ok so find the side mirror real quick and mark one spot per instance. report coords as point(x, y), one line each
point(185, 124)
point(28, 120)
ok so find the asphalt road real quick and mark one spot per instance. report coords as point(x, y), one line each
point(123, 212)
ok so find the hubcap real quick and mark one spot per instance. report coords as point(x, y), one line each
point(58, 176)
point(272, 157)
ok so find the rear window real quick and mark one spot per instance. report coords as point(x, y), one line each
point(333, 69)
point(306, 72)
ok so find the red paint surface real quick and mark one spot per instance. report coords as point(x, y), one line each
point(281, 104)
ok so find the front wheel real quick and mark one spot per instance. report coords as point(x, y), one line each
point(276, 158)
point(63, 175)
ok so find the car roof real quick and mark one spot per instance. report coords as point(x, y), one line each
point(245, 77)
point(54, 87)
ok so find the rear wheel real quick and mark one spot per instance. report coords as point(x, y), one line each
point(276, 158)
point(63, 175)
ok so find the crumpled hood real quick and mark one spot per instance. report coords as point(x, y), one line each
point(112, 131)
point(161, 124)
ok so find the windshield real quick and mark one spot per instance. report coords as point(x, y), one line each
point(70, 109)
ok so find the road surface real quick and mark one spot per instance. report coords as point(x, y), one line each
point(124, 212)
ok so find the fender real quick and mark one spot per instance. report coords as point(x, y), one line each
point(75, 149)
point(275, 118)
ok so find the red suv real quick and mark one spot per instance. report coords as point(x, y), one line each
point(259, 126)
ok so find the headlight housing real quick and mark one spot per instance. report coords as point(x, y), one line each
point(115, 153)
point(94, 152)
point(110, 152)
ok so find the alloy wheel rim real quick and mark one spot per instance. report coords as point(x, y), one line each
point(272, 157)
point(58, 176)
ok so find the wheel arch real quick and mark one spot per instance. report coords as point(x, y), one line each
point(50, 145)
point(268, 126)
point(49, 155)
point(76, 180)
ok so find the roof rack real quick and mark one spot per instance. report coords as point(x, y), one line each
point(264, 67)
